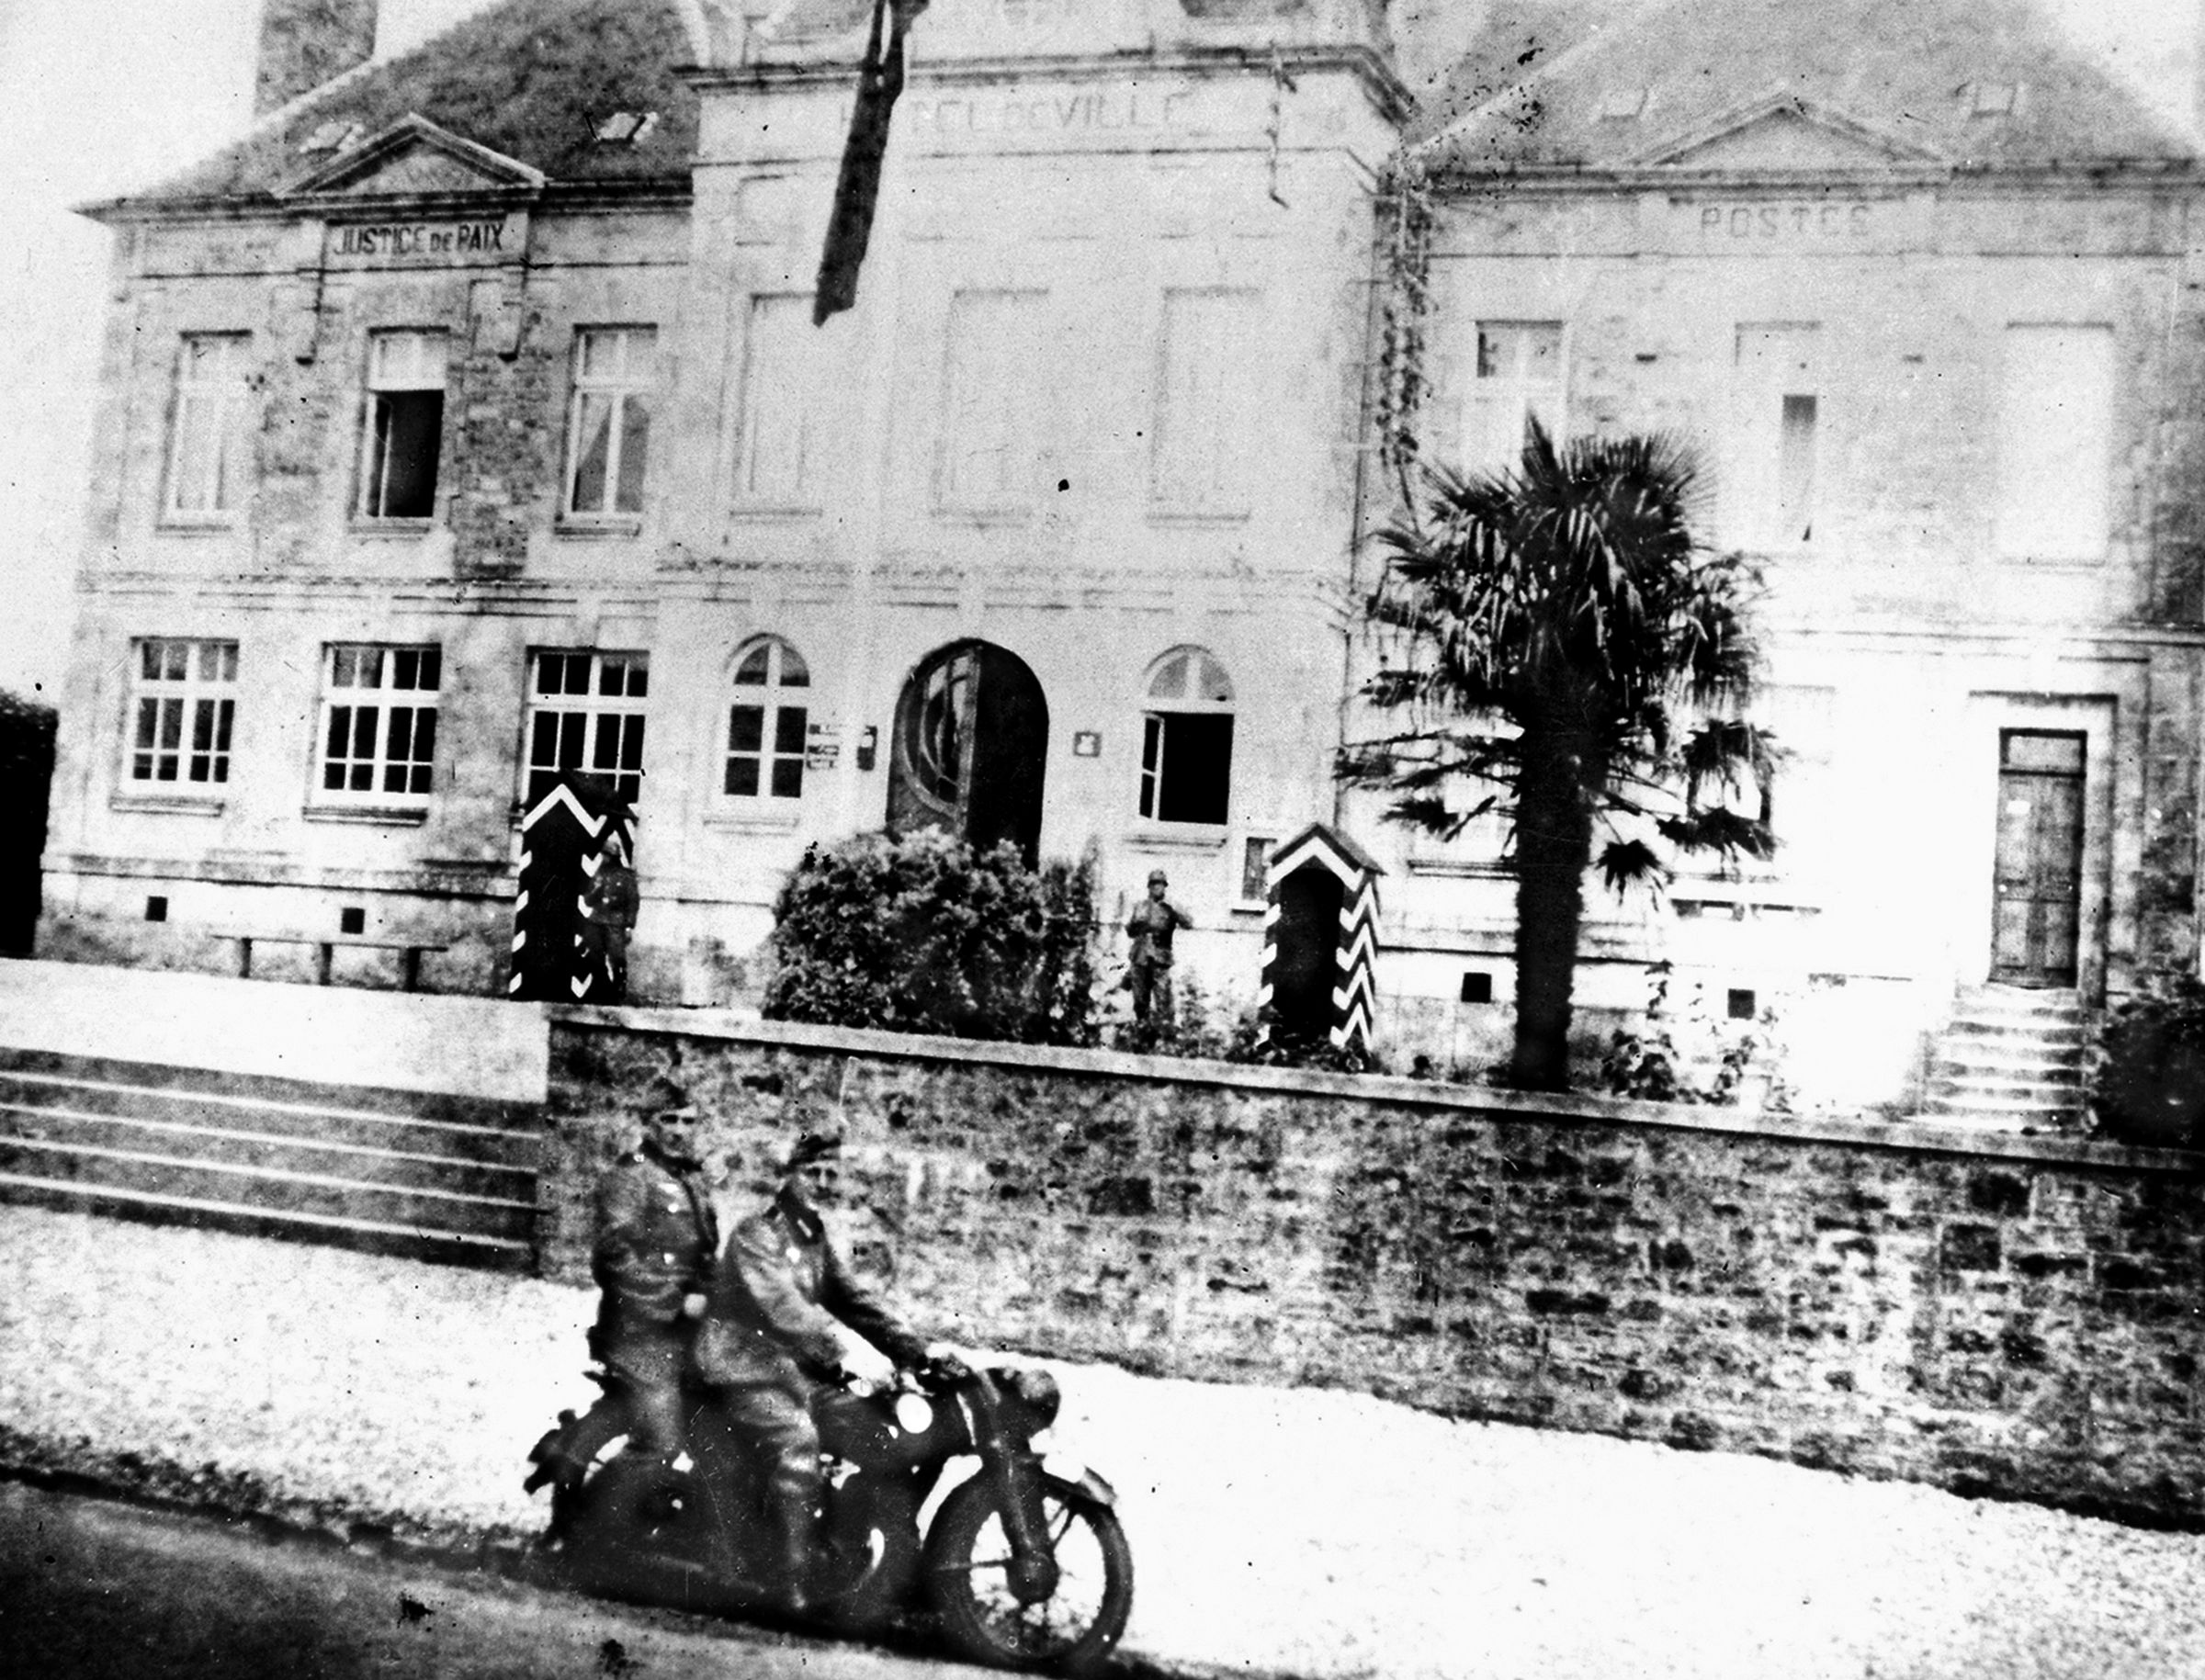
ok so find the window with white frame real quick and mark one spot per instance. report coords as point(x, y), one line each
point(2057, 441)
point(209, 439)
point(585, 713)
point(994, 423)
point(608, 422)
point(378, 723)
point(1187, 738)
point(403, 431)
point(1515, 374)
point(1777, 382)
point(184, 705)
point(1199, 463)
point(782, 451)
point(766, 723)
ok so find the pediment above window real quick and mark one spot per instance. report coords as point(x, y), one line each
point(414, 158)
point(1783, 131)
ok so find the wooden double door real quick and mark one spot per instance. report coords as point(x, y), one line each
point(2037, 893)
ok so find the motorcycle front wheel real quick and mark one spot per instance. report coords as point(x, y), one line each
point(968, 1563)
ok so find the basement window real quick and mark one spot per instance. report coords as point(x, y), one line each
point(1622, 103)
point(1993, 98)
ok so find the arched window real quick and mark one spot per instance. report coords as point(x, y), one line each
point(766, 723)
point(1187, 738)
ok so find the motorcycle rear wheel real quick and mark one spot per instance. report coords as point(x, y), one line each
point(1069, 1632)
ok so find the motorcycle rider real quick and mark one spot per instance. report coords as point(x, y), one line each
point(656, 1237)
point(769, 1343)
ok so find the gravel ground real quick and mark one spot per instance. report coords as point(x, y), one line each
point(1300, 1531)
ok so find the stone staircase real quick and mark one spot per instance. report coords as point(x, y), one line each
point(2011, 1061)
point(426, 1176)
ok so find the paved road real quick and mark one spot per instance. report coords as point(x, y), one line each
point(90, 1589)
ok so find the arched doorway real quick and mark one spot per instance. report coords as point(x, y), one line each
point(970, 748)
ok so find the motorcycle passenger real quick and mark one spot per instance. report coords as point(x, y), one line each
point(769, 1344)
point(656, 1237)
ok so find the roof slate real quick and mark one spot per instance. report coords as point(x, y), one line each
point(1906, 68)
point(528, 79)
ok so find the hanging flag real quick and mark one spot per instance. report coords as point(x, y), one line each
point(857, 190)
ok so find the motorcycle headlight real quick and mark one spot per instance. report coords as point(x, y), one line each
point(1037, 1391)
point(914, 1413)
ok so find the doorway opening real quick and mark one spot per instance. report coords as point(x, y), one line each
point(2037, 888)
point(971, 748)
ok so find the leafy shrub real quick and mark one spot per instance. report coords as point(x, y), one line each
point(1648, 1064)
point(25, 774)
point(921, 933)
point(2147, 1080)
point(1208, 1027)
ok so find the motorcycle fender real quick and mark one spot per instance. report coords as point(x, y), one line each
point(1083, 1481)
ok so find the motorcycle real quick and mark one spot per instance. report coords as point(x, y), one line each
point(1024, 1564)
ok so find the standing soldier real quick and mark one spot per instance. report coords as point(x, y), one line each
point(607, 912)
point(1150, 927)
point(656, 1239)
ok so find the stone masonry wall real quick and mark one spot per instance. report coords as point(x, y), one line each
point(2000, 1315)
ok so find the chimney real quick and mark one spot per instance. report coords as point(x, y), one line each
point(303, 44)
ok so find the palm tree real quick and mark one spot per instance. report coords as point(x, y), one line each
point(1551, 626)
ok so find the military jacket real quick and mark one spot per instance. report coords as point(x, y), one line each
point(656, 1237)
point(779, 1288)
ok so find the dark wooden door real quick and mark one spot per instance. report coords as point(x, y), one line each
point(971, 744)
point(2037, 908)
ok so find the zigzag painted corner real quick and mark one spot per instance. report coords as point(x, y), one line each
point(1349, 956)
point(561, 848)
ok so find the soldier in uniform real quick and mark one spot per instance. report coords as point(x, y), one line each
point(1150, 927)
point(770, 1342)
point(606, 914)
point(656, 1239)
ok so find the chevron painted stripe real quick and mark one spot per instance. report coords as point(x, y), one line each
point(563, 794)
point(1356, 1026)
point(1312, 850)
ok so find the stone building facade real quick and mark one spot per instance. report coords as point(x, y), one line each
point(467, 420)
point(454, 437)
point(1920, 286)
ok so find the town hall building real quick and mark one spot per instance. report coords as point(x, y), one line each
point(467, 424)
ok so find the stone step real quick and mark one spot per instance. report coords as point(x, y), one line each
point(325, 1118)
point(2005, 1058)
point(293, 1151)
point(2019, 1102)
point(1966, 1105)
point(423, 1174)
point(2021, 1078)
point(253, 1219)
point(186, 1180)
point(2064, 1034)
point(522, 1119)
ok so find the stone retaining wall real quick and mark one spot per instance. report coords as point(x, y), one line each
point(1993, 1314)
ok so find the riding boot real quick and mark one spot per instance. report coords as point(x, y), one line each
point(793, 1526)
